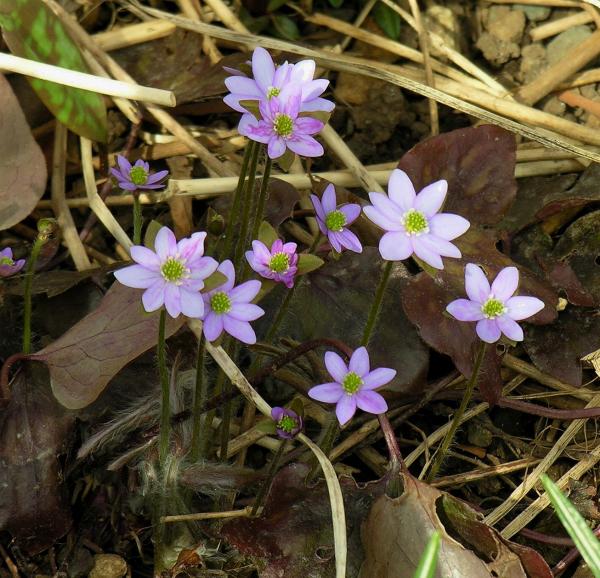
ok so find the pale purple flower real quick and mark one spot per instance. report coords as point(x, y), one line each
point(280, 263)
point(134, 177)
point(8, 266)
point(281, 128)
point(494, 308)
point(229, 308)
point(287, 422)
point(353, 386)
point(333, 221)
point(413, 222)
point(269, 81)
point(172, 275)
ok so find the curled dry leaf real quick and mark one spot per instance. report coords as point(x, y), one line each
point(22, 165)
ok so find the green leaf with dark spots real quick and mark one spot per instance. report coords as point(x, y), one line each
point(32, 31)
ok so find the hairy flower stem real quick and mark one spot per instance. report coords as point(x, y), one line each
point(233, 350)
point(262, 198)
point(165, 419)
point(237, 198)
point(263, 492)
point(137, 219)
point(394, 488)
point(440, 454)
point(35, 253)
point(376, 305)
point(200, 398)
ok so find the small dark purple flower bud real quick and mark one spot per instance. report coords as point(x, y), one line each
point(287, 422)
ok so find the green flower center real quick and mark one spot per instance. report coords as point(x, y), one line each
point(220, 303)
point(283, 125)
point(287, 423)
point(273, 91)
point(352, 383)
point(173, 270)
point(138, 175)
point(279, 263)
point(335, 221)
point(415, 222)
point(6, 261)
point(493, 308)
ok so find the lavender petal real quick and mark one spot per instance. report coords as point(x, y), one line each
point(359, 362)
point(144, 256)
point(371, 401)
point(465, 310)
point(426, 252)
point(137, 276)
point(430, 200)
point(510, 328)
point(488, 330)
point(165, 243)
point(395, 246)
point(345, 409)
point(263, 68)
point(522, 307)
point(154, 297)
point(329, 200)
point(245, 292)
point(305, 146)
point(401, 190)
point(505, 283)
point(335, 366)
point(172, 300)
point(241, 330)
point(377, 378)
point(351, 212)
point(212, 326)
point(448, 226)
point(192, 304)
point(246, 311)
point(476, 284)
point(326, 392)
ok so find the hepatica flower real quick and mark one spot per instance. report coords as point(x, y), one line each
point(280, 263)
point(8, 266)
point(353, 385)
point(281, 128)
point(413, 223)
point(333, 221)
point(494, 307)
point(172, 275)
point(269, 81)
point(229, 308)
point(134, 177)
point(287, 422)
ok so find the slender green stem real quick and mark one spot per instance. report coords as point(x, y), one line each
point(233, 351)
point(137, 220)
point(165, 420)
point(440, 454)
point(200, 397)
point(377, 302)
point(206, 433)
point(35, 253)
point(235, 206)
point(262, 198)
point(264, 489)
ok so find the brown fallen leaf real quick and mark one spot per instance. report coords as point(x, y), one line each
point(92, 352)
point(22, 165)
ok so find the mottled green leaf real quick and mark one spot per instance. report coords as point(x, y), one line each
point(32, 31)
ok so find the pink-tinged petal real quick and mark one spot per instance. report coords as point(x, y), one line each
point(378, 377)
point(263, 68)
point(326, 392)
point(260, 132)
point(241, 330)
point(441, 246)
point(289, 248)
point(124, 165)
point(277, 413)
point(289, 99)
point(317, 105)
point(476, 284)
point(448, 226)
point(261, 252)
point(305, 146)
point(488, 330)
point(351, 211)
point(381, 219)
point(172, 300)
point(245, 292)
point(430, 200)
point(335, 366)
point(226, 267)
point(314, 89)
point(371, 401)
point(505, 283)
point(159, 176)
point(276, 147)
point(401, 190)
point(145, 257)
point(255, 263)
point(308, 125)
point(268, 110)
point(395, 246)
point(465, 310)
point(203, 268)
point(154, 297)
point(345, 409)
point(137, 276)
point(349, 240)
point(303, 71)
point(241, 85)
point(318, 206)
point(192, 304)
point(192, 247)
point(359, 362)
point(246, 311)
point(426, 252)
point(329, 200)
point(277, 246)
point(165, 243)
point(212, 326)
point(510, 328)
point(334, 240)
point(522, 307)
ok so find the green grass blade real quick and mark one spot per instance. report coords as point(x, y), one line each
point(428, 562)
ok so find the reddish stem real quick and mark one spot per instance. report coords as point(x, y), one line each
point(569, 558)
point(562, 414)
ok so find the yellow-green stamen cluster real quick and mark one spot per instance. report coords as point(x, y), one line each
point(283, 125)
point(352, 383)
point(6, 261)
point(138, 175)
point(273, 91)
point(279, 263)
point(173, 270)
point(287, 423)
point(415, 222)
point(335, 221)
point(220, 303)
point(493, 308)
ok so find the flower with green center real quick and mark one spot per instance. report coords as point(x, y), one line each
point(8, 266)
point(495, 308)
point(283, 125)
point(138, 176)
point(287, 422)
point(220, 303)
point(279, 263)
point(174, 271)
point(273, 91)
point(415, 223)
point(353, 385)
point(335, 221)
point(6, 261)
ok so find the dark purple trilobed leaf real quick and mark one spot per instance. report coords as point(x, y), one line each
point(478, 164)
point(86, 358)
